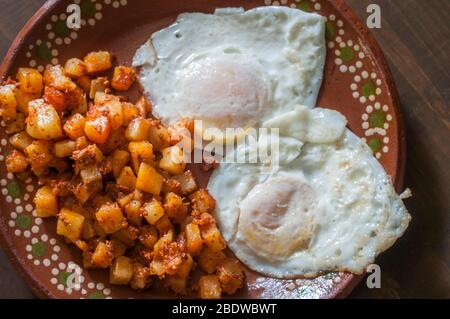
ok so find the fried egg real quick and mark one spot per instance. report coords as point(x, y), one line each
point(233, 68)
point(330, 207)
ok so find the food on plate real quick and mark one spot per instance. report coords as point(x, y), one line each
point(233, 68)
point(330, 207)
point(114, 179)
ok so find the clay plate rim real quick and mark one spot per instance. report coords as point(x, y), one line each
point(341, 290)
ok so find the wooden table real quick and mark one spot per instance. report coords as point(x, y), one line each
point(415, 37)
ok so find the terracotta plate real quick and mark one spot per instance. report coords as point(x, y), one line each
point(357, 82)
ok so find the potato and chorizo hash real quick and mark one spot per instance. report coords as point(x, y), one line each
point(111, 174)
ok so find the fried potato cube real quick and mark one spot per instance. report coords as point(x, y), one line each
point(115, 113)
point(46, 202)
point(21, 140)
point(202, 201)
point(120, 159)
point(141, 152)
point(64, 148)
point(127, 235)
point(91, 174)
point(88, 230)
point(213, 238)
point(70, 224)
point(43, 121)
point(186, 267)
point(110, 218)
point(84, 83)
point(138, 129)
point(144, 106)
point(133, 212)
point(8, 102)
point(164, 225)
point(74, 126)
point(39, 155)
point(103, 255)
point(98, 86)
point(98, 62)
point(175, 208)
point(153, 211)
point(30, 80)
point(23, 99)
point(209, 287)
point(187, 182)
point(127, 178)
point(115, 141)
point(148, 236)
point(121, 271)
point(55, 77)
point(130, 112)
point(173, 160)
point(16, 125)
point(75, 68)
point(141, 277)
point(149, 180)
point(97, 128)
point(123, 78)
point(231, 275)
point(210, 260)
point(16, 162)
point(194, 241)
point(159, 136)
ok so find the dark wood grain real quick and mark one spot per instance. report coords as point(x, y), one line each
point(415, 36)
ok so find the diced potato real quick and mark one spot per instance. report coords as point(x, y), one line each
point(115, 113)
point(213, 238)
point(74, 126)
point(159, 136)
point(130, 112)
point(185, 269)
point(141, 277)
point(209, 287)
point(16, 162)
point(55, 77)
point(144, 106)
point(133, 212)
point(152, 211)
point(171, 186)
point(98, 62)
point(125, 199)
point(46, 202)
point(187, 182)
point(164, 225)
point(30, 80)
point(175, 208)
point(138, 129)
point(210, 260)
point(110, 217)
point(173, 160)
point(194, 241)
point(39, 154)
point(75, 68)
point(118, 247)
point(231, 275)
point(123, 78)
point(102, 256)
point(88, 230)
point(202, 201)
point(148, 236)
point(8, 102)
point(43, 122)
point(141, 152)
point(84, 83)
point(70, 224)
point(82, 193)
point(120, 159)
point(121, 271)
point(115, 141)
point(126, 235)
point(127, 178)
point(149, 180)
point(16, 125)
point(162, 242)
point(56, 98)
point(98, 85)
point(91, 174)
point(21, 140)
point(87, 156)
point(64, 148)
point(97, 128)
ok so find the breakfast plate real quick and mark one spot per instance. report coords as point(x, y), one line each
point(357, 82)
